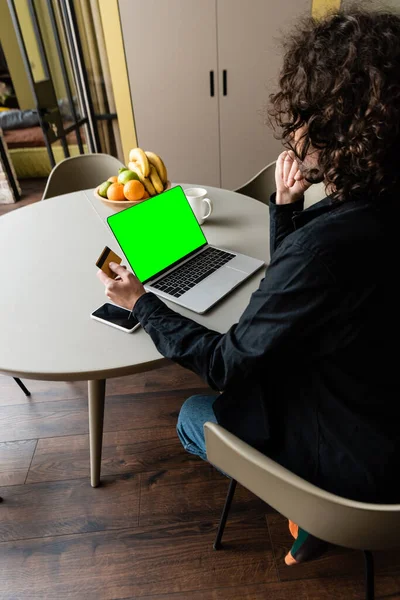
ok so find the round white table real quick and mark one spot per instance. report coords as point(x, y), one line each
point(49, 288)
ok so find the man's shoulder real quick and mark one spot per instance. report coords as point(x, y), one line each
point(344, 232)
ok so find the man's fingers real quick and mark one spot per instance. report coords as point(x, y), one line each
point(118, 269)
point(292, 174)
point(279, 165)
point(110, 288)
point(287, 165)
point(103, 277)
point(281, 158)
point(107, 281)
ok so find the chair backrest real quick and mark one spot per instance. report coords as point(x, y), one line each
point(262, 185)
point(79, 173)
point(315, 193)
point(337, 520)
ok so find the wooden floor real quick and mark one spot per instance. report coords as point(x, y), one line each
point(31, 191)
point(147, 531)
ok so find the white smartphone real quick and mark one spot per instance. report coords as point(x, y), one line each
point(116, 316)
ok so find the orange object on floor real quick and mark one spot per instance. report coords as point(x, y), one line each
point(289, 560)
point(305, 546)
point(294, 529)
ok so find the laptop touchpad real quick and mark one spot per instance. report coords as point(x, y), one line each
point(219, 282)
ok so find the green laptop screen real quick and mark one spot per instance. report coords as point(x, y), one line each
point(156, 233)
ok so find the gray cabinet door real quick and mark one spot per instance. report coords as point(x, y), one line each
point(170, 48)
point(249, 34)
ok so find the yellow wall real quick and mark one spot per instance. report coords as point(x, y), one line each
point(14, 60)
point(13, 56)
point(28, 34)
point(119, 75)
point(51, 49)
point(321, 7)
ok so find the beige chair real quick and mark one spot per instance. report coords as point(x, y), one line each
point(331, 518)
point(262, 185)
point(80, 173)
point(315, 193)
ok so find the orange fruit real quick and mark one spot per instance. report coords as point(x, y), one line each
point(113, 179)
point(145, 195)
point(116, 192)
point(134, 190)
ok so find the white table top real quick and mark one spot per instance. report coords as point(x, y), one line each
point(49, 286)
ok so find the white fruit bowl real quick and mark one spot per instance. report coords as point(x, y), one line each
point(121, 204)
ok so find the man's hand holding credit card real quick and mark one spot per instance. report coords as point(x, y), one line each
point(104, 260)
point(122, 287)
point(114, 314)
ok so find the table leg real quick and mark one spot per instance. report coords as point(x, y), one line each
point(96, 396)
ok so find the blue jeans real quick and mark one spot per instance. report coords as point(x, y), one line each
point(195, 411)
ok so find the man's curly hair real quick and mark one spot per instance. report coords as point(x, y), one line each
point(340, 85)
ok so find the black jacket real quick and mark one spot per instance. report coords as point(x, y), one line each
point(309, 374)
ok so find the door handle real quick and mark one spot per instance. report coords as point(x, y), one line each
point(224, 82)
point(211, 83)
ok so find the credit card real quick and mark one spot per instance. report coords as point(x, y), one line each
point(104, 260)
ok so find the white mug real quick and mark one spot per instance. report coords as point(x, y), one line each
point(201, 206)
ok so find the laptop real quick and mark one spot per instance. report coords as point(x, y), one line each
point(167, 250)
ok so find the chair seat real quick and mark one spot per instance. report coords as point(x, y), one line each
point(332, 518)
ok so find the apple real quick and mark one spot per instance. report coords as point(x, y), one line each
point(126, 176)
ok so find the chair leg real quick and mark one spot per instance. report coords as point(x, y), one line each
point(22, 386)
point(224, 516)
point(369, 575)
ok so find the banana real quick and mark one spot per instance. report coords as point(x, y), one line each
point(156, 160)
point(138, 155)
point(155, 180)
point(133, 166)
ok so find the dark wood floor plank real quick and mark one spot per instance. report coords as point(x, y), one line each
point(41, 391)
point(121, 564)
point(171, 377)
point(15, 458)
point(32, 187)
point(191, 493)
point(70, 417)
point(387, 588)
point(44, 419)
point(31, 191)
point(41, 510)
point(337, 562)
point(123, 452)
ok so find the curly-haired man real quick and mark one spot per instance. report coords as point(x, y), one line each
point(309, 373)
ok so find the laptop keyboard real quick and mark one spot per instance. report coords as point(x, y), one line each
point(193, 271)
